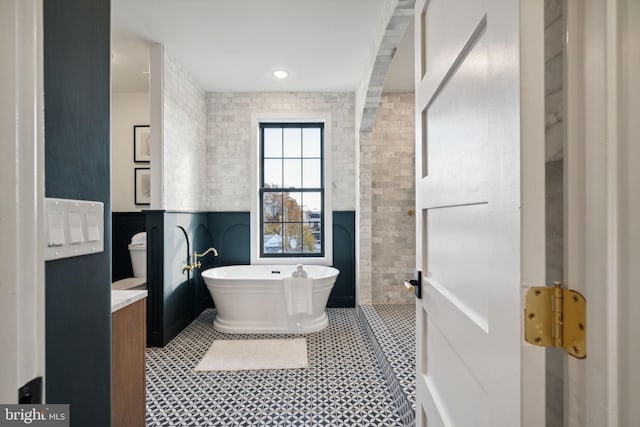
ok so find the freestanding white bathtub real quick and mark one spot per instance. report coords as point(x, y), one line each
point(250, 299)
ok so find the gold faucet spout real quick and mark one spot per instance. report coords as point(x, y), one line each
point(197, 255)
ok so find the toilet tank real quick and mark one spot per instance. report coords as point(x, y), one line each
point(138, 252)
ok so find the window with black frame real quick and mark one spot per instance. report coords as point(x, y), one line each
point(292, 189)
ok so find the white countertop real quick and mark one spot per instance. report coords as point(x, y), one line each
point(121, 299)
point(129, 283)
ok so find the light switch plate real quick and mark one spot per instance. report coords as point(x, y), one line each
point(74, 228)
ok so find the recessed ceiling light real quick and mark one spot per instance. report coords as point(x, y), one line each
point(280, 74)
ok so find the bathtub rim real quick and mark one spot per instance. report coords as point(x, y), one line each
point(209, 273)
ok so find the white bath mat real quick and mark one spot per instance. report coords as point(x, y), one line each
point(246, 355)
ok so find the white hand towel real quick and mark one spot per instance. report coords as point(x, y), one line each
point(298, 292)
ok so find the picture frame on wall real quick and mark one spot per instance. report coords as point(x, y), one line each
point(142, 186)
point(141, 144)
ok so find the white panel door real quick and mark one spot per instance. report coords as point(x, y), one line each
point(480, 194)
point(22, 191)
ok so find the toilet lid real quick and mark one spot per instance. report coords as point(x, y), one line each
point(139, 239)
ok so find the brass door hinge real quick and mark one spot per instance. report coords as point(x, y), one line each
point(556, 317)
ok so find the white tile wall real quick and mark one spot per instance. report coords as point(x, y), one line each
point(364, 218)
point(228, 143)
point(552, 10)
point(184, 150)
point(554, 104)
point(387, 232)
point(393, 196)
point(553, 53)
point(553, 40)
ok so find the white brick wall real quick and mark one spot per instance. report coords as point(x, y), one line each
point(184, 149)
point(393, 196)
point(554, 135)
point(228, 141)
point(364, 218)
point(553, 53)
point(387, 193)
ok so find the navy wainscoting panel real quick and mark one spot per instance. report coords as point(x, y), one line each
point(155, 278)
point(125, 225)
point(231, 233)
point(231, 236)
point(176, 297)
point(77, 154)
point(181, 288)
point(343, 293)
point(202, 240)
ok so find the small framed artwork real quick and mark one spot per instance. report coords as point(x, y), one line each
point(142, 186)
point(141, 144)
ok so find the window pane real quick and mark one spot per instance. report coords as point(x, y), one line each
point(293, 207)
point(311, 142)
point(272, 142)
point(292, 142)
point(312, 206)
point(312, 235)
point(292, 173)
point(293, 238)
point(272, 206)
point(273, 173)
point(272, 238)
point(311, 173)
point(292, 200)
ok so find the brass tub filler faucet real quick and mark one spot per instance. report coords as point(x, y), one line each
point(194, 260)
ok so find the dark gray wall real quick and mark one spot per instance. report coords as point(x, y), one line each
point(155, 278)
point(343, 293)
point(231, 232)
point(77, 295)
point(125, 225)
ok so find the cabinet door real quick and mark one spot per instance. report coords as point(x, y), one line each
point(128, 388)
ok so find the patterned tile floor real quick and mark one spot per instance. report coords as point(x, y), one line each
point(343, 385)
point(393, 326)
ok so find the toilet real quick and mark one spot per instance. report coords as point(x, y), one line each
point(138, 254)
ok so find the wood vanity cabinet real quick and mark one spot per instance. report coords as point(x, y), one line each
point(128, 388)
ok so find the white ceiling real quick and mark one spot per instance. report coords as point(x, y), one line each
point(235, 45)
